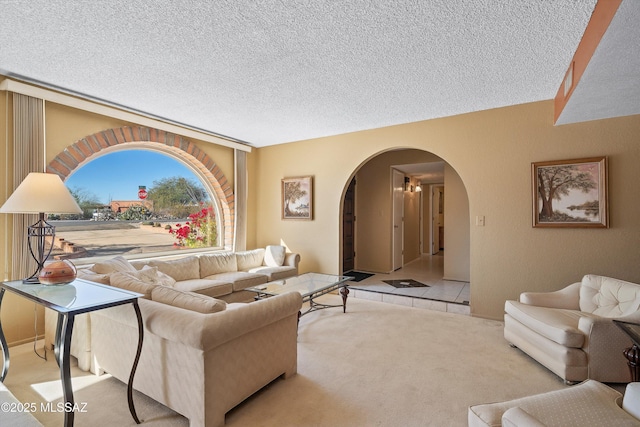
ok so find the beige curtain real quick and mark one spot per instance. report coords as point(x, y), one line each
point(240, 234)
point(28, 156)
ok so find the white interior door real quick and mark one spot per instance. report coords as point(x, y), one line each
point(398, 218)
point(437, 218)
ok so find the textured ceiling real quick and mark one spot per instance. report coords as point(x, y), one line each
point(269, 72)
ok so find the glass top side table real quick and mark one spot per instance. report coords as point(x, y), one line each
point(77, 297)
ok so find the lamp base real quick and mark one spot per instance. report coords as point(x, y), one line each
point(37, 241)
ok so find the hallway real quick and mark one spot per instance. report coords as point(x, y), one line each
point(441, 295)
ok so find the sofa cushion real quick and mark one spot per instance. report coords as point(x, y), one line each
point(118, 263)
point(209, 287)
point(186, 268)
point(240, 279)
point(274, 255)
point(222, 262)
point(608, 297)
point(275, 273)
point(132, 282)
point(249, 259)
point(187, 300)
point(559, 325)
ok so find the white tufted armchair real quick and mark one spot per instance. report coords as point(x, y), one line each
point(571, 331)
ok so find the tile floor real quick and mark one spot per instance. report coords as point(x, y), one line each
point(442, 295)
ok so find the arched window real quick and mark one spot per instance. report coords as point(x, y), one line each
point(142, 198)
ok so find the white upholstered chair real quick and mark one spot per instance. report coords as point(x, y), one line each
point(571, 331)
point(589, 404)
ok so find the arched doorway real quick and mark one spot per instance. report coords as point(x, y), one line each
point(375, 228)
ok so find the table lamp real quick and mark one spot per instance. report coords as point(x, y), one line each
point(37, 194)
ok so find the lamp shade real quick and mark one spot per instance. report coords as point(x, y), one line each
point(41, 192)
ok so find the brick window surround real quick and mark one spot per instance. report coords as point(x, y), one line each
point(176, 146)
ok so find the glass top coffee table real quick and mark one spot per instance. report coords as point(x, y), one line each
point(310, 286)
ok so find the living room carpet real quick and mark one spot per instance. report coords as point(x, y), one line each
point(375, 365)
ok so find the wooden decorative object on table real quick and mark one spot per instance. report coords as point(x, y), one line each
point(58, 272)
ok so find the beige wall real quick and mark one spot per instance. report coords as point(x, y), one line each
point(492, 152)
point(456, 227)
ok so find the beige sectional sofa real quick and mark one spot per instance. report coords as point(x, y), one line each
point(222, 275)
point(205, 348)
point(571, 331)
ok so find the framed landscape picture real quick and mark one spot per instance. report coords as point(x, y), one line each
point(570, 193)
point(297, 198)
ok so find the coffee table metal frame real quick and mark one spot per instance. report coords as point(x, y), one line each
point(77, 297)
point(310, 286)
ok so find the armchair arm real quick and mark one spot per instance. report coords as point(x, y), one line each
point(604, 345)
point(567, 298)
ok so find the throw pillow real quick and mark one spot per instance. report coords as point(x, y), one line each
point(117, 264)
point(179, 269)
point(129, 282)
point(87, 274)
point(187, 300)
point(274, 256)
point(153, 276)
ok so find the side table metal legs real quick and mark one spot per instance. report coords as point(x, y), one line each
point(132, 408)
point(63, 345)
point(5, 347)
point(62, 349)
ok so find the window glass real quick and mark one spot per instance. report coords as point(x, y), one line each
point(136, 203)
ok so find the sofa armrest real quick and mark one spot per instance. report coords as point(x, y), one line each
point(567, 298)
point(518, 417)
point(206, 331)
point(291, 260)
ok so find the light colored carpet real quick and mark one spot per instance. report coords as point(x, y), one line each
point(377, 365)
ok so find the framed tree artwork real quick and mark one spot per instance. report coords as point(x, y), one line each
point(297, 198)
point(570, 193)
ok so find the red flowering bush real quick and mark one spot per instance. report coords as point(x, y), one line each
point(199, 231)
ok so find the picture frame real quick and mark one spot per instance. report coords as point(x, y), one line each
point(297, 198)
point(570, 193)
